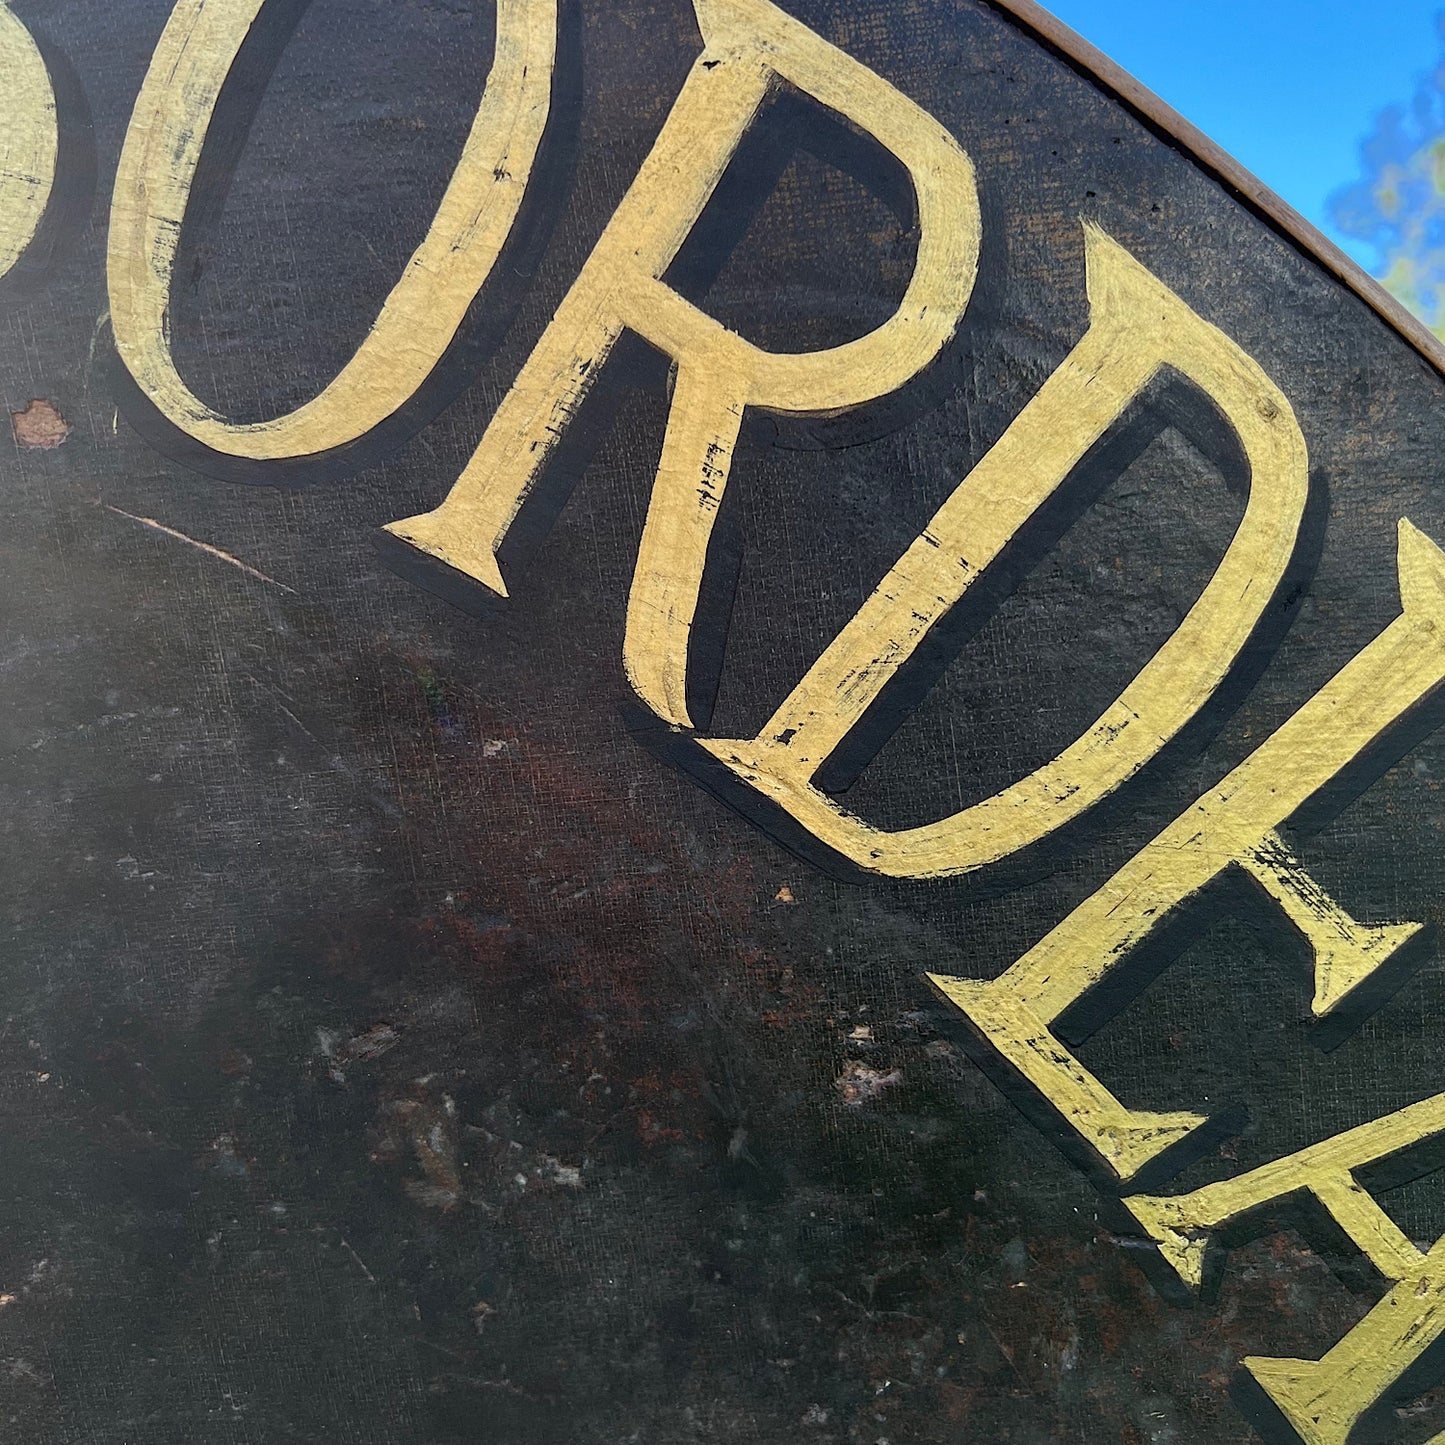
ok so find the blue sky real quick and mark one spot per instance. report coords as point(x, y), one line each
point(1290, 87)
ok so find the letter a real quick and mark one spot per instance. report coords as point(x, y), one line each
point(1324, 1399)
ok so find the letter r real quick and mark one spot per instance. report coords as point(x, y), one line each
point(750, 46)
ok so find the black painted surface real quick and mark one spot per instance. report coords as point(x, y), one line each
point(394, 1048)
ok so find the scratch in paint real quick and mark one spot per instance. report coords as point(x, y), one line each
point(205, 547)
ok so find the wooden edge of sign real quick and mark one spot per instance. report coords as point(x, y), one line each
point(1172, 127)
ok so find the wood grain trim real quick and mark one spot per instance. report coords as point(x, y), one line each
point(1172, 127)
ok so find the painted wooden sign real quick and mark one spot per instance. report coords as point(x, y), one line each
point(720, 723)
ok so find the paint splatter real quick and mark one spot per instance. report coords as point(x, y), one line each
point(859, 1084)
point(40, 427)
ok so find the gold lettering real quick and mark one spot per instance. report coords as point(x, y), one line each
point(29, 138)
point(1324, 1399)
point(1234, 825)
point(1137, 326)
point(749, 45)
point(158, 165)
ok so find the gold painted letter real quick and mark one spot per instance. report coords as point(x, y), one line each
point(1324, 1399)
point(420, 318)
point(29, 138)
point(1137, 326)
point(749, 46)
point(1233, 826)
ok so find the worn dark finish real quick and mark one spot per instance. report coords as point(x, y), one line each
point(398, 1050)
